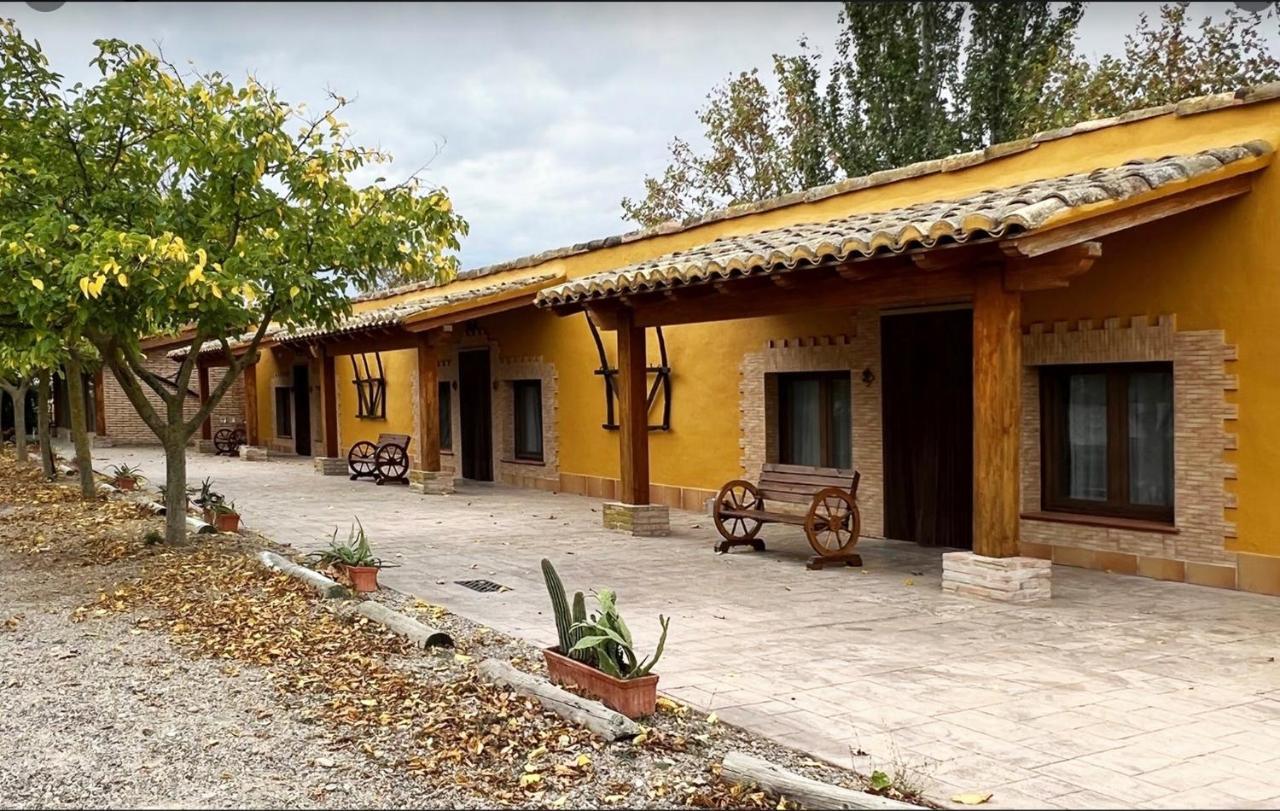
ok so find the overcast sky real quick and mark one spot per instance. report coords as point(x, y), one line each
point(546, 115)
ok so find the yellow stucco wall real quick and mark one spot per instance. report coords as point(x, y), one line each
point(1215, 268)
point(401, 368)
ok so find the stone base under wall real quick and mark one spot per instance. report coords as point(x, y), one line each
point(252, 453)
point(1009, 580)
point(205, 446)
point(647, 520)
point(330, 465)
point(431, 482)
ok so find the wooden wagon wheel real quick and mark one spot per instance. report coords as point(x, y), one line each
point(738, 495)
point(225, 441)
point(833, 522)
point(361, 459)
point(392, 463)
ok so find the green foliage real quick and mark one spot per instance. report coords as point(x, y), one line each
point(154, 201)
point(126, 472)
point(566, 621)
point(911, 81)
point(206, 496)
point(606, 637)
point(879, 781)
point(223, 507)
point(355, 551)
point(153, 538)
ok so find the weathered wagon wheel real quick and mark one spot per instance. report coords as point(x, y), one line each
point(361, 460)
point(392, 462)
point(226, 441)
point(738, 496)
point(833, 522)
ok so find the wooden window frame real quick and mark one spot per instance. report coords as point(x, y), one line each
point(288, 400)
point(520, 428)
point(1053, 443)
point(444, 392)
point(825, 406)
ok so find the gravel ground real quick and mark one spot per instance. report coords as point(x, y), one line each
point(96, 714)
point(106, 713)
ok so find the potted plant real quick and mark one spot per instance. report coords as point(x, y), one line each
point(125, 477)
point(206, 499)
point(355, 558)
point(226, 518)
point(597, 654)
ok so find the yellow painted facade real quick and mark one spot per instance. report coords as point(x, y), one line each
point(1215, 268)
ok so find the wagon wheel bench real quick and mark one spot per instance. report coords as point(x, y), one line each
point(832, 522)
point(387, 460)
point(228, 440)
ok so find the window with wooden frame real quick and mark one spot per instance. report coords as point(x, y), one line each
point(284, 412)
point(446, 416)
point(371, 386)
point(813, 419)
point(1107, 440)
point(527, 402)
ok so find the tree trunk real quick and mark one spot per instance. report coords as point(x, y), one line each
point(42, 424)
point(175, 486)
point(19, 396)
point(79, 429)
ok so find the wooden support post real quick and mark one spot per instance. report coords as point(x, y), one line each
point(997, 411)
point(329, 404)
point(99, 405)
point(206, 427)
point(428, 407)
point(633, 412)
point(251, 405)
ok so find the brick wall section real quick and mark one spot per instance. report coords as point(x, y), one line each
point(854, 351)
point(1201, 413)
point(125, 427)
point(544, 475)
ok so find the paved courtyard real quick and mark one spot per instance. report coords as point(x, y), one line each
point(1120, 691)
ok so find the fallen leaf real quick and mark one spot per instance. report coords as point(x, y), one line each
point(972, 798)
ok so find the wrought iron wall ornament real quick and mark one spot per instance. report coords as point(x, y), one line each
point(661, 382)
point(371, 388)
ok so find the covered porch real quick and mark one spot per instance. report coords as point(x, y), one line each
point(983, 253)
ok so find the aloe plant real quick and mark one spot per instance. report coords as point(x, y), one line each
point(606, 637)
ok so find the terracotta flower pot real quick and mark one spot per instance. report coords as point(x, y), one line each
point(226, 522)
point(364, 579)
point(126, 484)
point(634, 698)
point(207, 515)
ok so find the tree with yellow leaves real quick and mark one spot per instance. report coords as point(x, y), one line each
point(154, 202)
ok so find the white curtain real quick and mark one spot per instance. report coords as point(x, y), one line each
point(1087, 437)
point(804, 431)
point(1151, 438)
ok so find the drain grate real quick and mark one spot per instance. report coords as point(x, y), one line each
point(481, 585)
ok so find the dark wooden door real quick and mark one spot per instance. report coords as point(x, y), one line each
point(475, 415)
point(927, 386)
point(301, 411)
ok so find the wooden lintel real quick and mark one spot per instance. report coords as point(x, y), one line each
point(1050, 270)
point(364, 342)
point(1038, 243)
point(945, 257)
point(422, 324)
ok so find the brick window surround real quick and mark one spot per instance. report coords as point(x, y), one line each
point(1196, 545)
point(856, 349)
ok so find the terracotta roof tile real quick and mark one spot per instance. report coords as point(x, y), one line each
point(988, 214)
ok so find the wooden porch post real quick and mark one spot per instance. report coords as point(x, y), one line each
point(633, 412)
point(251, 405)
point(206, 427)
point(329, 404)
point(428, 407)
point(997, 411)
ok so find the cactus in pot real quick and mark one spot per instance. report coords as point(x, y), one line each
point(567, 619)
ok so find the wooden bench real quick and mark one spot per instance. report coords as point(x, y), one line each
point(387, 460)
point(228, 440)
point(831, 523)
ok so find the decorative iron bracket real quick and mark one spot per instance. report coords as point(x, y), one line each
point(371, 389)
point(661, 382)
